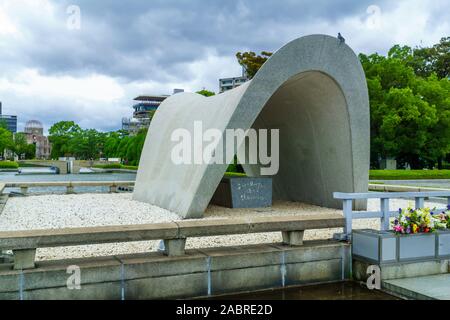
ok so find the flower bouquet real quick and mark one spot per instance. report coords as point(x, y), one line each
point(423, 220)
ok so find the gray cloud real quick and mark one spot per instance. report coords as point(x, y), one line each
point(152, 45)
point(133, 39)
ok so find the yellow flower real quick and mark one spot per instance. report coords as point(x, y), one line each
point(415, 228)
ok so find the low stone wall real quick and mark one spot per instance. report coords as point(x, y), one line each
point(199, 273)
point(402, 270)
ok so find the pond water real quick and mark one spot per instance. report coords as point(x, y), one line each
point(47, 174)
point(347, 290)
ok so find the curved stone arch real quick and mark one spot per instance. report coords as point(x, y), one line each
point(307, 86)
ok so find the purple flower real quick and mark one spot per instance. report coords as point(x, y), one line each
point(408, 218)
point(395, 222)
point(448, 207)
point(431, 213)
point(408, 230)
point(399, 210)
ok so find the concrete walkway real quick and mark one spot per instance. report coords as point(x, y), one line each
point(435, 287)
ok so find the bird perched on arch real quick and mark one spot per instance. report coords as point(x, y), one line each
point(340, 38)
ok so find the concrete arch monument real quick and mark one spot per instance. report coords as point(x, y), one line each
point(313, 90)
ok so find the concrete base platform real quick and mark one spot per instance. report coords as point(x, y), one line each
point(199, 273)
point(435, 287)
point(402, 270)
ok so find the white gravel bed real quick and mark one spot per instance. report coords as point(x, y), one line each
point(88, 210)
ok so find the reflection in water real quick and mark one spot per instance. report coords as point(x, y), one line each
point(46, 170)
point(347, 290)
point(36, 171)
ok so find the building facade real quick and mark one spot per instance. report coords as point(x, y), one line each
point(11, 121)
point(143, 112)
point(34, 132)
point(226, 84)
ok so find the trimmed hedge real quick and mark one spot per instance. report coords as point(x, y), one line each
point(408, 174)
point(234, 174)
point(115, 166)
point(9, 165)
point(130, 167)
point(109, 166)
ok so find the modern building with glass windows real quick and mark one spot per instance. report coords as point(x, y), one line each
point(143, 111)
point(11, 121)
point(226, 84)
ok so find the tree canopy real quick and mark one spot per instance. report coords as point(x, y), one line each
point(68, 139)
point(206, 93)
point(409, 108)
point(409, 92)
point(251, 62)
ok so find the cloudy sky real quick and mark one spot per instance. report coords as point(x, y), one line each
point(51, 70)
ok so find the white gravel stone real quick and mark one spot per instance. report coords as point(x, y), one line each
point(88, 210)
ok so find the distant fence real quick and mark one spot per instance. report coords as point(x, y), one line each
point(384, 214)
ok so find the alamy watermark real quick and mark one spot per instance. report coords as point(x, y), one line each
point(212, 146)
point(74, 17)
point(74, 280)
point(373, 20)
point(374, 279)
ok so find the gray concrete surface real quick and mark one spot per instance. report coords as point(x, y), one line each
point(313, 90)
point(202, 272)
point(174, 234)
point(435, 287)
point(402, 270)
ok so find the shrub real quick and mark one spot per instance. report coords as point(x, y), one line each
point(409, 174)
point(8, 165)
point(115, 166)
point(130, 167)
point(109, 166)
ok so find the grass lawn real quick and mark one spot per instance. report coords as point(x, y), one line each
point(234, 174)
point(115, 166)
point(408, 174)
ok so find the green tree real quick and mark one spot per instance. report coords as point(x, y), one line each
point(3, 124)
point(60, 134)
point(405, 130)
point(30, 151)
point(20, 146)
point(435, 59)
point(251, 62)
point(206, 93)
point(6, 140)
point(410, 114)
point(87, 144)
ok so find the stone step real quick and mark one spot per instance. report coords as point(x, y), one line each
point(435, 287)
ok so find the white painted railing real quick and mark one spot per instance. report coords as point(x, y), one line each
point(384, 213)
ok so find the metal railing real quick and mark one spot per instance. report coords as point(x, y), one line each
point(384, 213)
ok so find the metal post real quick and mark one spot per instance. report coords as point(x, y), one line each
point(348, 215)
point(420, 202)
point(384, 207)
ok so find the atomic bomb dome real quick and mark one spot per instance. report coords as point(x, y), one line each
point(34, 131)
point(34, 127)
